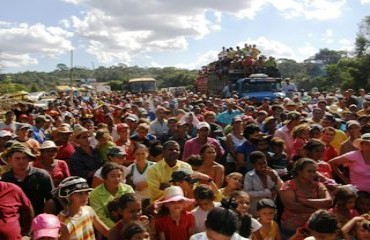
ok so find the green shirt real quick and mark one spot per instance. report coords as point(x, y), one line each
point(100, 197)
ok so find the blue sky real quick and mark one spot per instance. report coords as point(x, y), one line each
point(39, 34)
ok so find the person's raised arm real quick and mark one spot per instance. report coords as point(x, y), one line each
point(335, 163)
point(347, 228)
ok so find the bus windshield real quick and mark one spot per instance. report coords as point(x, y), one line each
point(143, 86)
point(258, 86)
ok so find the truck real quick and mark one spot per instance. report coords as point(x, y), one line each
point(147, 84)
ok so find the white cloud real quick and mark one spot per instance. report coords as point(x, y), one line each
point(19, 43)
point(327, 36)
point(365, 1)
point(305, 52)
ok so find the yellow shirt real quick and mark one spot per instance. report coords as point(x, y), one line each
point(161, 173)
point(339, 138)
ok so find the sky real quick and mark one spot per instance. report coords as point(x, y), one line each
point(37, 35)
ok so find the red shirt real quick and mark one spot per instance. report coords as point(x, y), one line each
point(172, 230)
point(58, 171)
point(329, 153)
point(65, 152)
point(12, 199)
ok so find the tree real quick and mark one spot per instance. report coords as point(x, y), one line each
point(362, 43)
point(326, 57)
point(62, 67)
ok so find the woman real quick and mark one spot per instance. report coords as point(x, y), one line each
point(115, 155)
point(234, 140)
point(138, 173)
point(358, 163)
point(58, 169)
point(209, 167)
point(302, 196)
point(111, 188)
point(261, 182)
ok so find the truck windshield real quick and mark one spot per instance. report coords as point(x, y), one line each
point(259, 86)
point(144, 86)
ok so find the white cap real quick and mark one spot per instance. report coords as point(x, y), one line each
point(5, 133)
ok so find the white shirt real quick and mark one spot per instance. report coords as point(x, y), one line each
point(200, 217)
point(203, 236)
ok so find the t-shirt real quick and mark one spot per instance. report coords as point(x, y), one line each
point(203, 236)
point(58, 170)
point(138, 177)
point(200, 217)
point(359, 171)
point(172, 230)
point(80, 226)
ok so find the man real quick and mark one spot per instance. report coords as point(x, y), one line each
point(23, 132)
point(225, 118)
point(285, 132)
point(317, 115)
point(85, 160)
point(16, 212)
point(289, 88)
point(327, 137)
point(159, 175)
point(340, 136)
point(37, 131)
point(353, 132)
point(159, 126)
point(62, 140)
point(9, 123)
point(192, 146)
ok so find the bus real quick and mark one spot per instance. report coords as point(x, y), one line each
point(259, 86)
point(136, 85)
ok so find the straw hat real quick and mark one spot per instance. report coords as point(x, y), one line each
point(48, 144)
point(364, 137)
point(77, 131)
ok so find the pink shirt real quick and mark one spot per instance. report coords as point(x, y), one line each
point(359, 171)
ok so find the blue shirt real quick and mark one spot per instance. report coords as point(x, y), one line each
point(226, 117)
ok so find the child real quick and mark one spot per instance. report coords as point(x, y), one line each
point(80, 219)
point(105, 143)
point(234, 182)
point(358, 228)
point(174, 222)
point(135, 231)
point(47, 227)
point(204, 198)
point(266, 209)
point(363, 202)
point(344, 204)
point(279, 159)
point(129, 210)
point(239, 202)
point(113, 210)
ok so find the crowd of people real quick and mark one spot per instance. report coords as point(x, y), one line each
point(188, 166)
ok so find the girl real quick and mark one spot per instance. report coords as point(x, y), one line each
point(344, 204)
point(47, 227)
point(239, 202)
point(174, 222)
point(138, 173)
point(80, 219)
point(358, 228)
point(209, 165)
point(129, 210)
point(266, 211)
point(234, 182)
point(135, 231)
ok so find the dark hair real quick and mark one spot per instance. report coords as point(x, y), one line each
point(343, 195)
point(255, 156)
point(265, 203)
point(169, 144)
point(139, 145)
point(312, 144)
point(194, 160)
point(222, 221)
point(113, 206)
point(108, 167)
point(250, 129)
point(155, 148)
point(245, 227)
point(125, 199)
point(131, 229)
point(301, 164)
point(323, 221)
point(203, 192)
point(204, 148)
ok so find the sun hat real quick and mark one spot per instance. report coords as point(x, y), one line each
point(45, 225)
point(268, 119)
point(48, 144)
point(17, 147)
point(364, 137)
point(203, 125)
point(64, 129)
point(78, 130)
point(132, 117)
point(179, 176)
point(72, 185)
point(173, 194)
point(351, 123)
point(292, 115)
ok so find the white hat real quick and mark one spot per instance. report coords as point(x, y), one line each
point(364, 137)
point(203, 125)
point(5, 133)
point(48, 144)
point(173, 194)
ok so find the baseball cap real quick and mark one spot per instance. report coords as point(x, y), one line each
point(5, 133)
point(115, 151)
point(72, 185)
point(236, 119)
point(23, 125)
point(45, 225)
point(203, 125)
